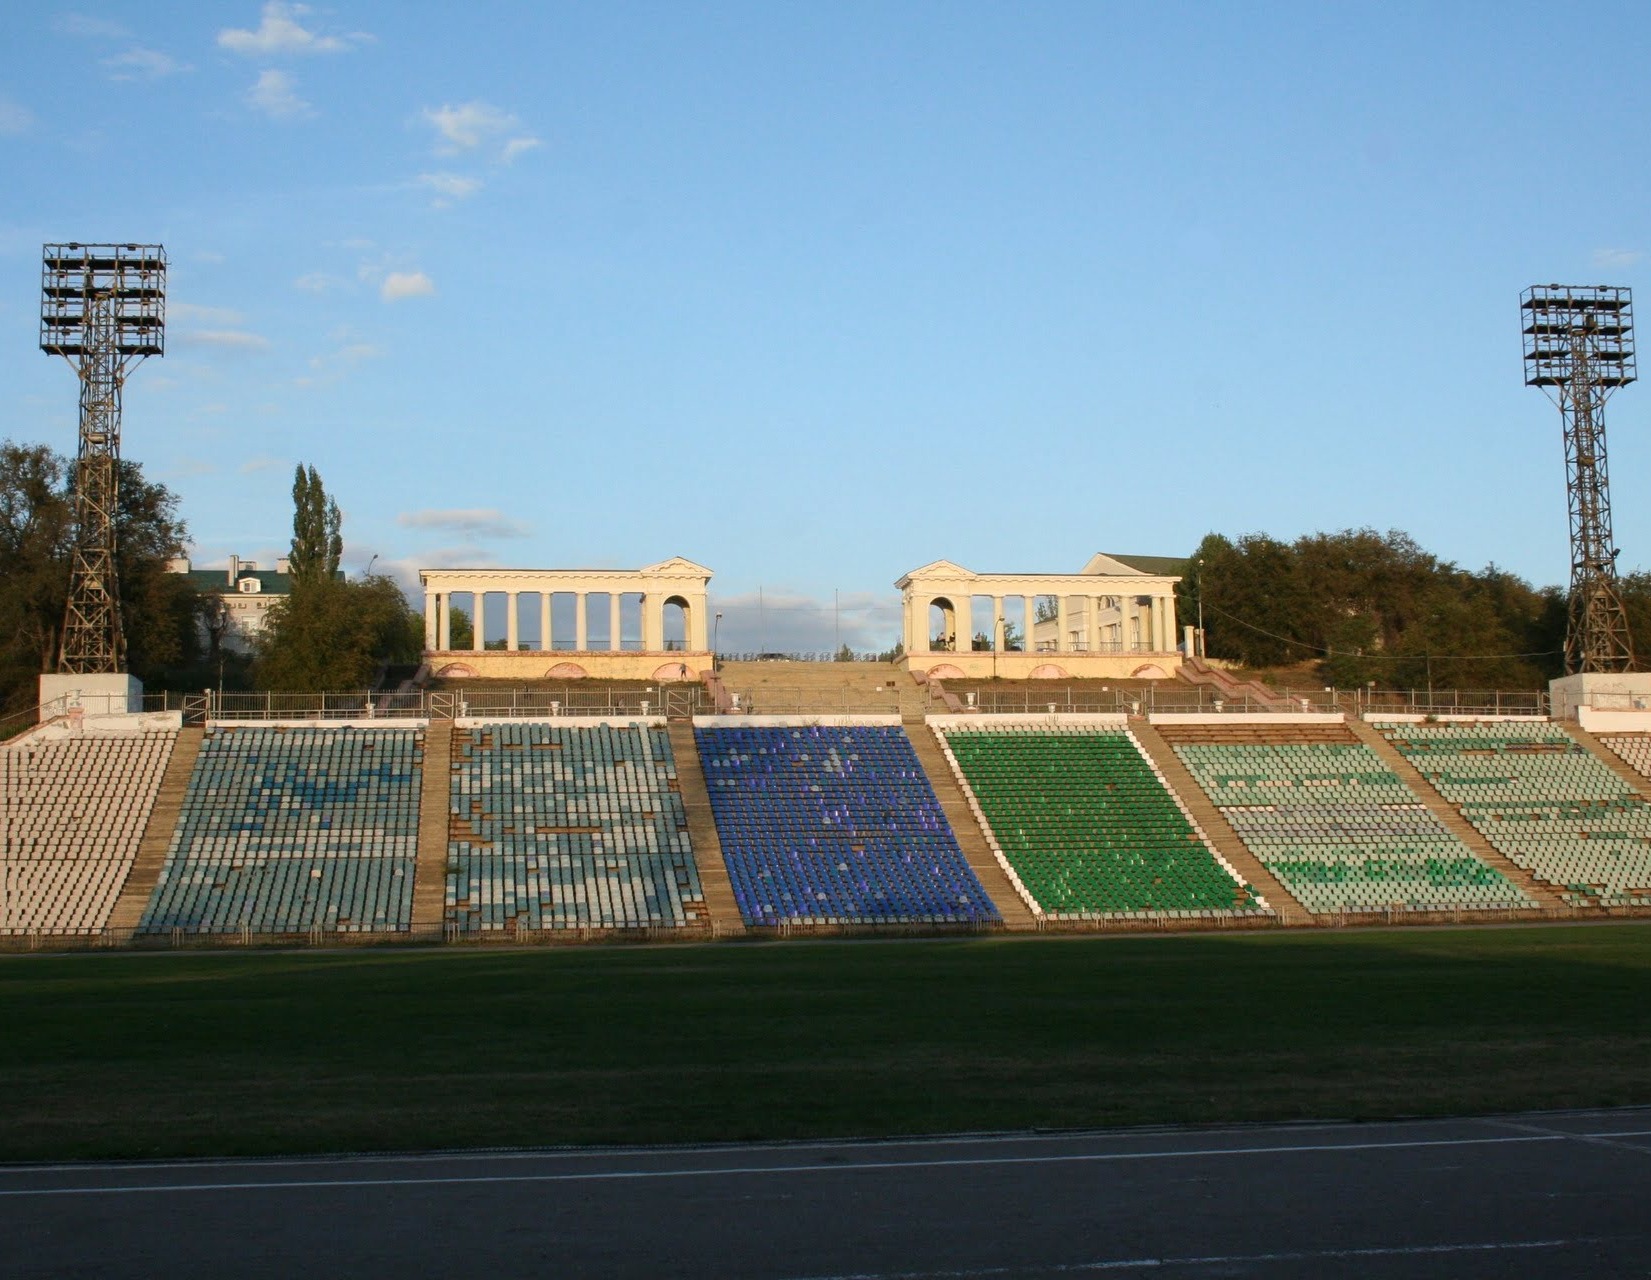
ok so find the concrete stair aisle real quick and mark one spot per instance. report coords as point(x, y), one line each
point(1640, 786)
point(702, 834)
point(1016, 914)
point(1217, 828)
point(1448, 814)
point(434, 818)
point(157, 834)
point(823, 688)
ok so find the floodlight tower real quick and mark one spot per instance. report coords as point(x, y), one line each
point(1579, 348)
point(103, 309)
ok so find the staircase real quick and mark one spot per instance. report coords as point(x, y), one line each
point(157, 835)
point(434, 808)
point(702, 835)
point(1451, 816)
point(1011, 906)
point(825, 688)
point(1215, 827)
point(1640, 786)
point(1195, 671)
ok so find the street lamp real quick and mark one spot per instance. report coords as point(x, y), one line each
point(368, 571)
point(716, 627)
point(1201, 652)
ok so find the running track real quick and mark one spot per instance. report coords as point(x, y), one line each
point(1555, 1194)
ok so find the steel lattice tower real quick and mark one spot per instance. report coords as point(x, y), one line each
point(102, 308)
point(1579, 348)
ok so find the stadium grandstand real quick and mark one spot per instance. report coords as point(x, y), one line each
point(776, 797)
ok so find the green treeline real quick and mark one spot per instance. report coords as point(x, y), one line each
point(1369, 606)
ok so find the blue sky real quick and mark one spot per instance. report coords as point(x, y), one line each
point(815, 294)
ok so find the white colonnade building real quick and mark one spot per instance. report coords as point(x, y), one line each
point(1113, 619)
point(639, 624)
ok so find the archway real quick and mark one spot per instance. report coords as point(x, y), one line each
point(456, 671)
point(676, 624)
point(565, 671)
point(942, 625)
point(1151, 671)
point(1048, 671)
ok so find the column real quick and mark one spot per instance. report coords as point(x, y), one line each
point(1029, 620)
point(963, 609)
point(579, 641)
point(615, 641)
point(698, 638)
point(544, 622)
point(1061, 642)
point(432, 602)
point(444, 620)
point(653, 622)
point(512, 620)
point(1094, 606)
point(477, 642)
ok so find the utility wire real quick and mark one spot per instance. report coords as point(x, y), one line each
point(1388, 657)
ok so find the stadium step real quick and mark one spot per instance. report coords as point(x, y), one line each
point(1637, 784)
point(702, 834)
point(430, 873)
point(1452, 818)
point(1216, 828)
point(804, 688)
point(970, 838)
point(157, 836)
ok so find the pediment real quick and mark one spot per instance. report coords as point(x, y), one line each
point(678, 567)
point(936, 569)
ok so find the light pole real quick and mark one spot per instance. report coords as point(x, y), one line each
point(1201, 607)
point(368, 571)
point(716, 626)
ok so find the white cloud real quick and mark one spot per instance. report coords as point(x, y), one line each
point(785, 621)
point(450, 186)
point(466, 522)
point(406, 284)
point(281, 34)
point(224, 339)
point(472, 126)
point(317, 282)
point(331, 367)
point(207, 315)
point(144, 64)
point(1616, 259)
point(276, 97)
point(14, 117)
point(260, 462)
point(518, 146)
point(81, 24)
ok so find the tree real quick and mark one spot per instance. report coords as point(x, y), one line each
point(333, 635)
point(159, 609)
point(460, 634)
point(317, 544)
point(844, 654)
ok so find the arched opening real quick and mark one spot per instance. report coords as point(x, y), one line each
point(676, 624)
point(456, 671)
point(671, 671)
point(942, 625)
point(945, 671)
point(566, 671)
point(1047, 671)
point(1151, 671)
point(982, 632)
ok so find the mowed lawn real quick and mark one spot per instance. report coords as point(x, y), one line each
point(251, 1053)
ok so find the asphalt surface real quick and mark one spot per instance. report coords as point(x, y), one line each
point(1546, 1195)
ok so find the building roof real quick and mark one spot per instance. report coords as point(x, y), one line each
point(1156, 566)
point(270, 583)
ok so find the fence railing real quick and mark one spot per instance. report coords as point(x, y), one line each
point(676, 701)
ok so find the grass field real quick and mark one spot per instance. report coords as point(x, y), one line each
point(203, 1054)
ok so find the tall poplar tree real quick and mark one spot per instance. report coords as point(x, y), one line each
point(317, 543)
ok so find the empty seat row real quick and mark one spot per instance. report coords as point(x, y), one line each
point(1340, 830)
point(553, 827)
point(73, 811)
point(1086, 827)
point(834, 825)
point(288, 830)
point(1543, 800)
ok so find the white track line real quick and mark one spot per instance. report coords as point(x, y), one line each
point(1212, 1260)
point(862, 1166)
